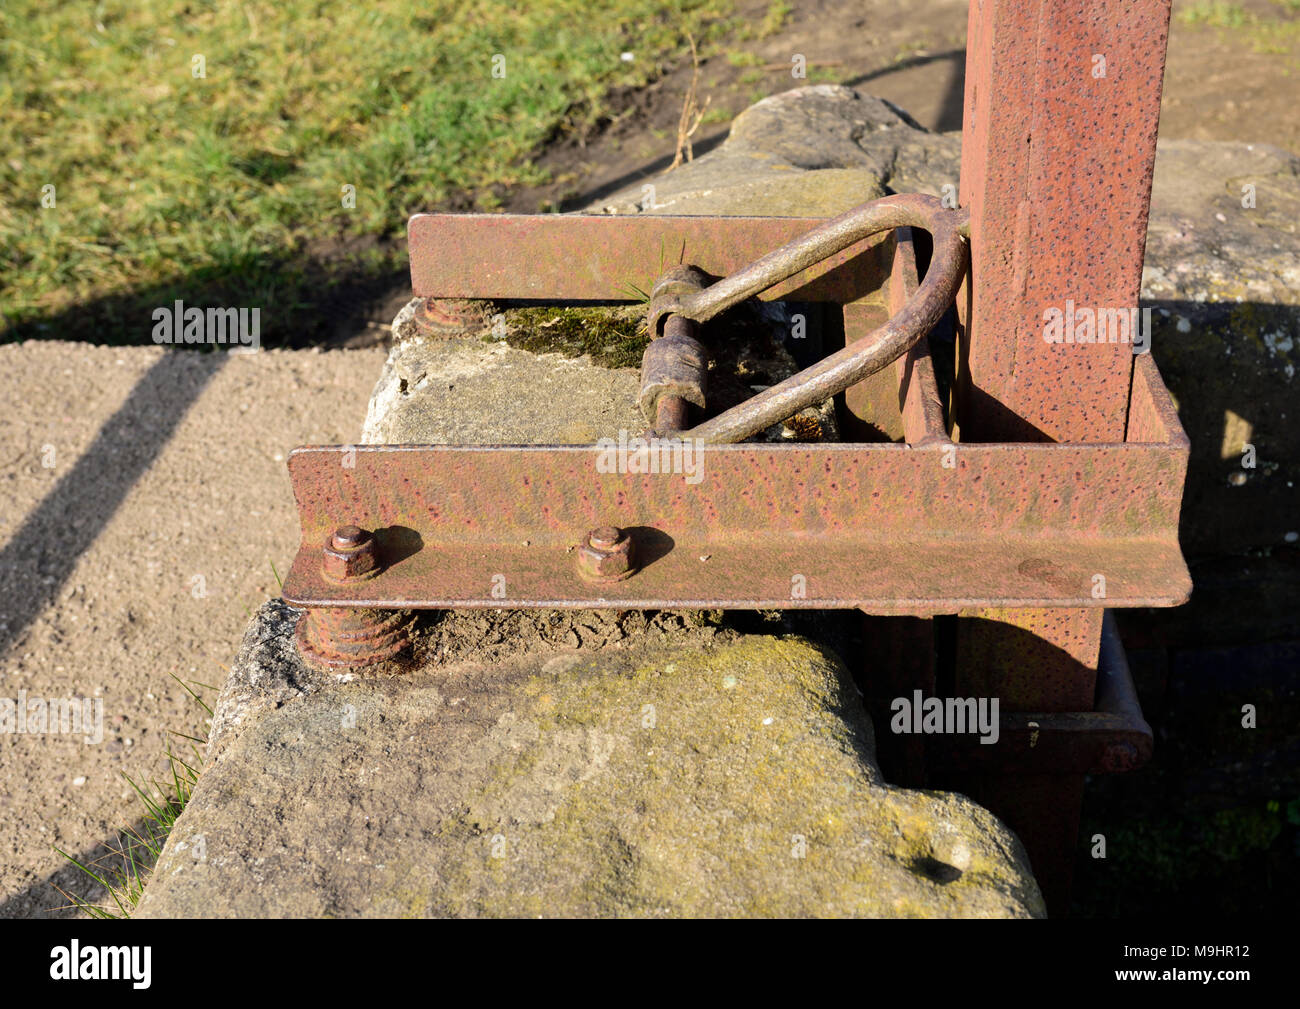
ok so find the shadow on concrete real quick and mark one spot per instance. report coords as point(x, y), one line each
point(49, 897)
point(44, 550)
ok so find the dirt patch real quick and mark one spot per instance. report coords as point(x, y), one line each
point(1227, 78)
point(911, 54)
point(148, 511)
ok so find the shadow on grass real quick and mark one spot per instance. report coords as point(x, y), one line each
point(323, 298)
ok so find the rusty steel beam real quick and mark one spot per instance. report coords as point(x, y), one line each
point(884, 528)
point(1038, 791)
point(1110, 735)
point(564, 257)
point(1056, 172)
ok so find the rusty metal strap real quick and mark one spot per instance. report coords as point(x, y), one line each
point(885, 528)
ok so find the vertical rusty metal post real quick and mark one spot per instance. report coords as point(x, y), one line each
point(1061, 109)
point(1059, 144)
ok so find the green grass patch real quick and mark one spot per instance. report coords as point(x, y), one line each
point(778, 12)
point(122, 872)
point(202, 151)
point(1215, 14)
point(1272, 32)
point(774, 19)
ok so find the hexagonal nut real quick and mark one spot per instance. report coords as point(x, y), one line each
point(606, 555)
point(344, 561)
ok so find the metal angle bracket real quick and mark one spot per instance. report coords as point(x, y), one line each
point(920, 526)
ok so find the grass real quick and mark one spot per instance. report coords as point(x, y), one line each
point(1216, 14)
point(778, 11)
point(1274, 30)
point(123, 871)
point(228, 188)
point(773, 20)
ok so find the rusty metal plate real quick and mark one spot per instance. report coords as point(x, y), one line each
point(561, 257)
point(885, 528)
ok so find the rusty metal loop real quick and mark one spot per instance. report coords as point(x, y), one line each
point(851, 365)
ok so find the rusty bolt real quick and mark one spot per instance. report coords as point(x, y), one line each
point(444, 317)
point(606, 555)
point(350, 555)
point(348, 537)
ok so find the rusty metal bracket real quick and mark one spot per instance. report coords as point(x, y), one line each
point(1112, 738)
point(1049, 493)
point(887, 528)
point(919, 526)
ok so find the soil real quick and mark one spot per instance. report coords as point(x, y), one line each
point(1221, 83)
point(148, 512)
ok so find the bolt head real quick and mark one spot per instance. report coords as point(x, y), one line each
point(606, 555)
point(605, 537)
point(349, 537)
point(349, 555)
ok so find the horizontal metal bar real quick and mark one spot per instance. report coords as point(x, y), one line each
point(906, 579)
point(560, 257)
point(885, 528)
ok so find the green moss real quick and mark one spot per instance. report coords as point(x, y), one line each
point(613, 336)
